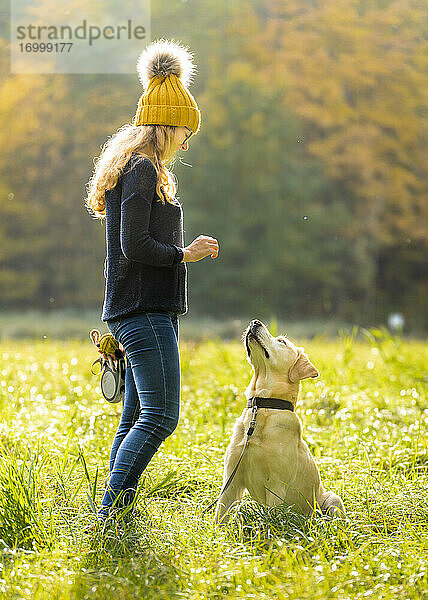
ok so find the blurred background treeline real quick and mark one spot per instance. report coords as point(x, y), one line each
point(310, 167)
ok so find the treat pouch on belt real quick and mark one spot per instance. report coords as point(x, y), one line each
point(112, 369)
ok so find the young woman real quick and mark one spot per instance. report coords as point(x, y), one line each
point(146, 276)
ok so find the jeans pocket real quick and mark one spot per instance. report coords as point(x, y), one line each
point(113, 325)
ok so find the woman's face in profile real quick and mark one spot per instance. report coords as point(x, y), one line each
point(180, 136)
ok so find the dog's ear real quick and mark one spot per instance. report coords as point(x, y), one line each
point(302, 368)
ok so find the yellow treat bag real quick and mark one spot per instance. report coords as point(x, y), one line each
point(106, 342)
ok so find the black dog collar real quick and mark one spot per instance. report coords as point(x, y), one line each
point(278, 403)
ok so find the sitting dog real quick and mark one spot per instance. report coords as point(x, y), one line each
point(277, 465)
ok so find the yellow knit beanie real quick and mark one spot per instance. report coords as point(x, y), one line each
point(165, 69)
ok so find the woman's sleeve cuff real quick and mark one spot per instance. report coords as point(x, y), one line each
point(178, 255)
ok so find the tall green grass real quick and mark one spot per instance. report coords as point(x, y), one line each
point(364, 420)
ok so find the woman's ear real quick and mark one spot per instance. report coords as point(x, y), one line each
point(302, 368)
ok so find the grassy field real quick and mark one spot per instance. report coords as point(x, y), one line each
point(75, 323)
point(364, 420)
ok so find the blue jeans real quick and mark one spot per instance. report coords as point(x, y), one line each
point(152, 399)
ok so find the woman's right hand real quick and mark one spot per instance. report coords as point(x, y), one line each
point(201, 247)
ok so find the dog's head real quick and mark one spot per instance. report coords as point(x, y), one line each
point(276, 358)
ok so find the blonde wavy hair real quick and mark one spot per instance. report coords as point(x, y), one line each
point(155, 142)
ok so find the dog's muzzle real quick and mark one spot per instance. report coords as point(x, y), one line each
point(251, 333)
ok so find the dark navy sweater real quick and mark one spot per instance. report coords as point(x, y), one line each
point(144, 240)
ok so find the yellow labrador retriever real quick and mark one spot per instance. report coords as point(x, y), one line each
point(277, 465)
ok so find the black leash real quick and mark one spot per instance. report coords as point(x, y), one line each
point(254, 403)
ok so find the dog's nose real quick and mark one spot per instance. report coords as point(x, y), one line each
point(255, 322)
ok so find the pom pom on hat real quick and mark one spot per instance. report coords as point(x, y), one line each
point(165, 69)
point(165, 57)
